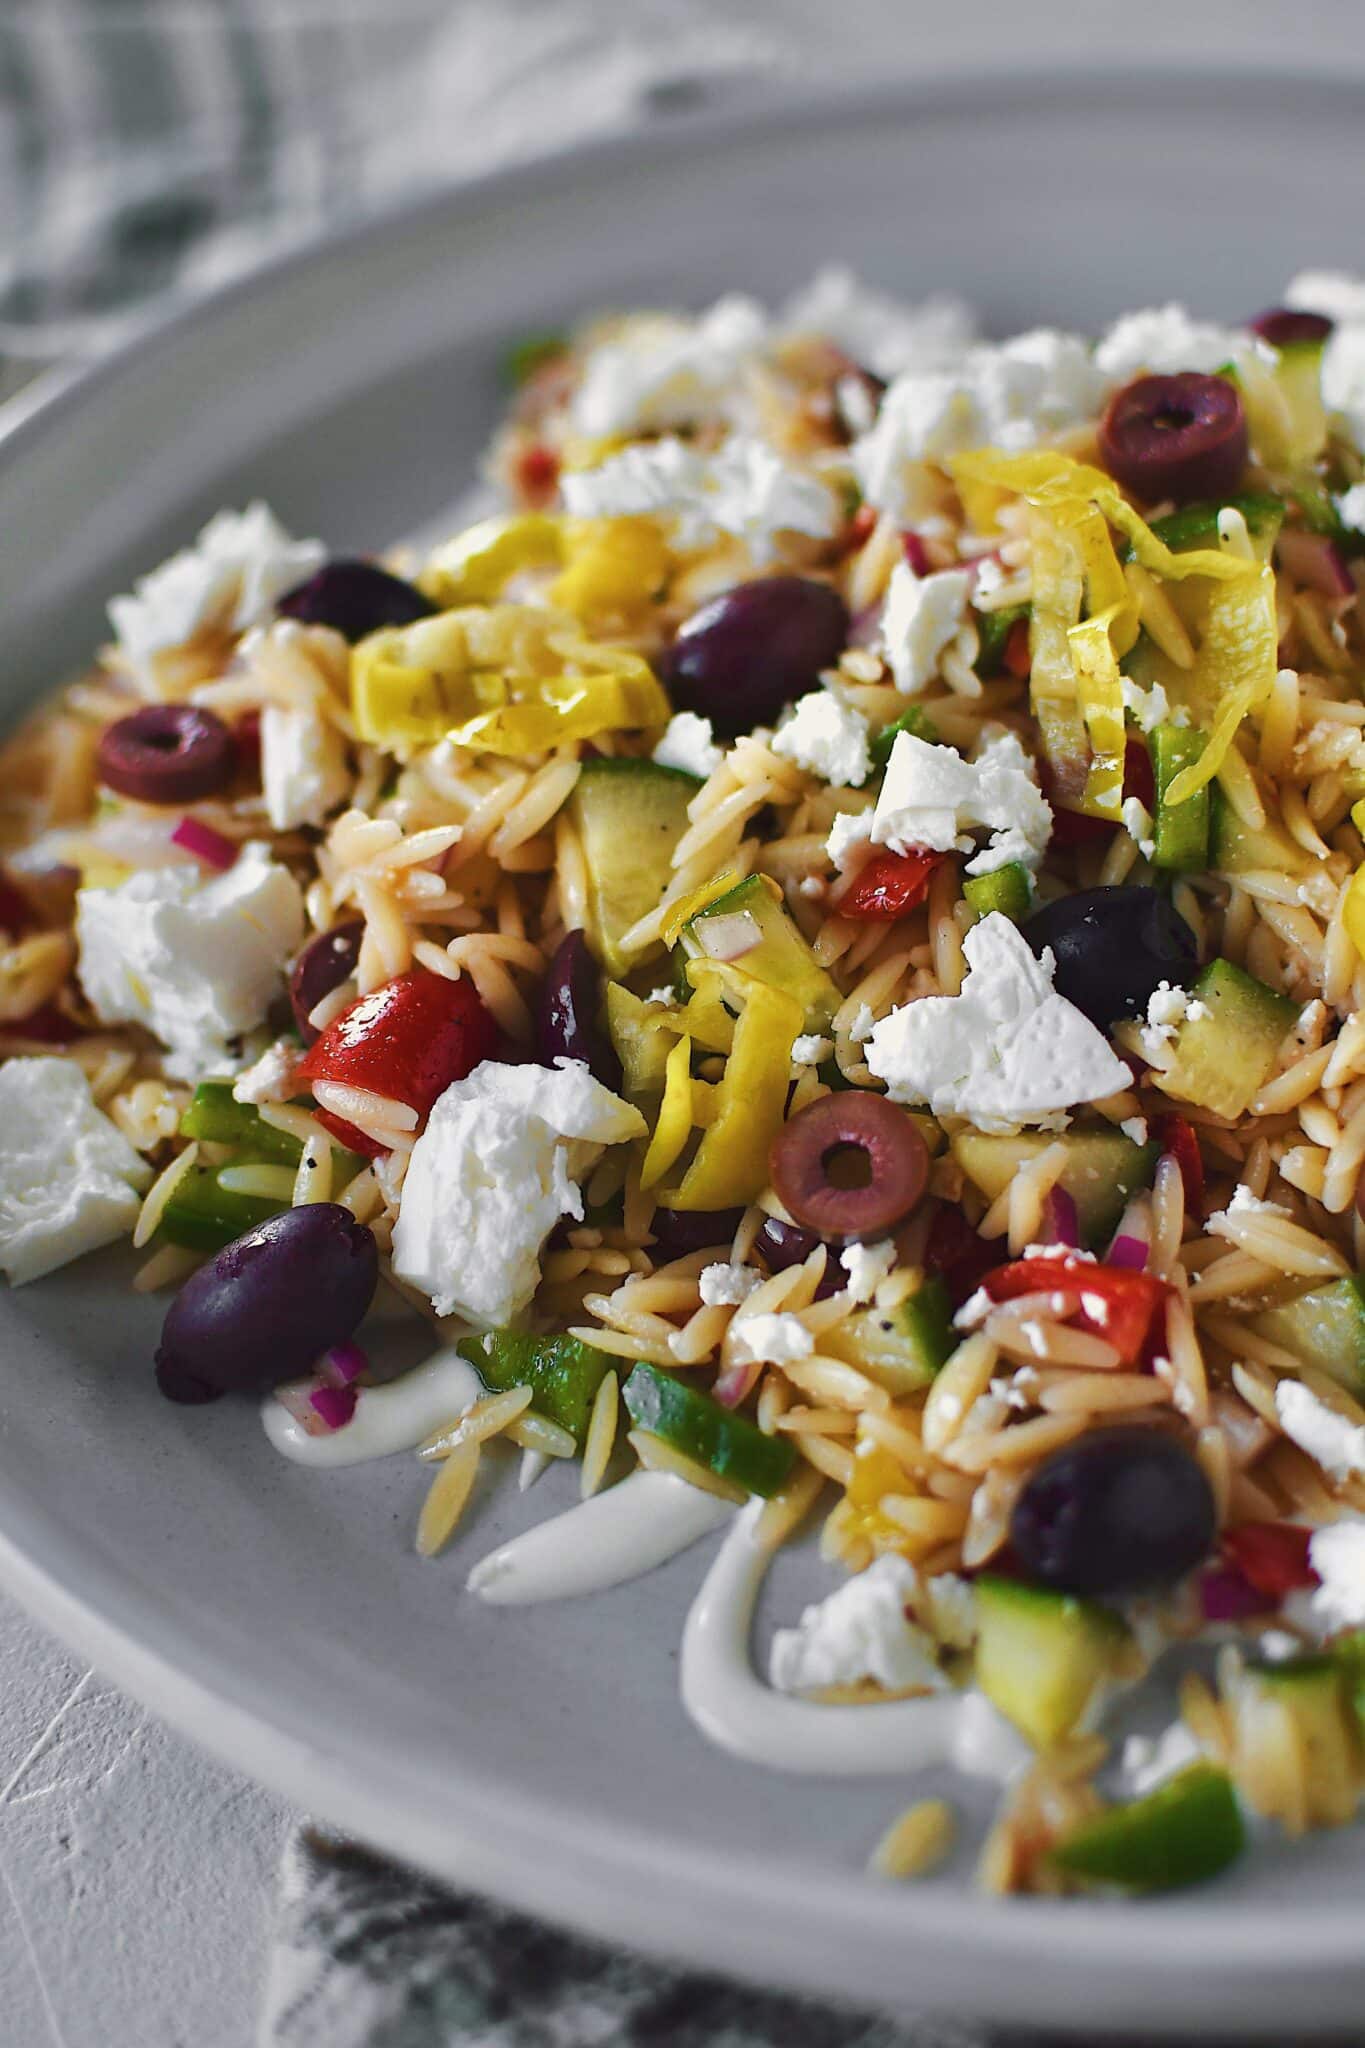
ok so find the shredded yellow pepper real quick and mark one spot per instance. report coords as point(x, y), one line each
point(502, 679)
point(640, 1034)
point(613, 568)
point(710, 1024)
point(1100, 689)
point(1358, 816)
point(674, 1125)
point(1234, 671)
point(472, 568)
point(731, 1164)
point(1353, 911)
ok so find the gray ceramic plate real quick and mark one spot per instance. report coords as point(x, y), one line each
point(279, 1616)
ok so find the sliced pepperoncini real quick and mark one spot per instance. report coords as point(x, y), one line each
point(731, 1162)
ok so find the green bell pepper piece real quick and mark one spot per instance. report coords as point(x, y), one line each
point(215, 1115)
point(1007, 889)
point(914, 721)
point(201, 1216)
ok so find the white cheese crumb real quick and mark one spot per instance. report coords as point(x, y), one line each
point(810, 1050)
point(1329, 1439)
point(851, 831)
point(1137, 823)
point(1006, 1050)
point(975, 1310)
point(661, 370)
point(1151, 708)
point(1351, 508)
point(725, 1286)
point(743, 488)
point(931, 797)
point(1332, 293)
point(812, 886)
point(1161, 341)
point(689, 743)
point(779, 1339)
point(867, 1265)
point(880, 333)
point(1337, 1554)
point(69, 1179)
point(1168, 1007)
point(863, 1025)
point(1277, 1644)
point(922, 614)
point(826, 738)
point(948, 1603)
point(304, 775)
point(271, 1077)
point(665, 997)
point(862, 1631)
point(1135, 1127)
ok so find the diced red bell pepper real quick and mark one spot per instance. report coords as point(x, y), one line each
point(1114, 1302)
point(1017, 659)
point(537, 472)
point(891, 885)
point(408, 1040)
point(1175, 1134)
point(1271, 1556)
point(1138, 779)
point(955, 1251)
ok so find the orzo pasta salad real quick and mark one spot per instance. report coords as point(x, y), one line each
point(822, 945)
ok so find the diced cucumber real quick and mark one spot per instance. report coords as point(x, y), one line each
point(1186, 1831)
point(1103, 1169)
point(902, 1349)
point(728, 1445)
point(1236, 848)
point(1181, 830)
point(1196, 526)
point(781, 958)
point(563, 1373)
point(1008, 889)
point(993, 630)
point(1298, 374)
point(1042, 1656)
point(1317, 1693)
point(201, 1216)
point(630, 815)
point(1324, 1327)
point(914, 721)
point(215, 1115)
point(1310, 501)
point(1222, 1060)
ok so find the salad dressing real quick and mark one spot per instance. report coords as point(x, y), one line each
point(617, 1535)
point(395, 1417)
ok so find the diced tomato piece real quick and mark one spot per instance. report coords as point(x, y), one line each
point(954, 1250)
point(537, 471)
point(1271, 1556)
point(1017, 659)
point(408, 1040)
point(891, 885)
point(1138, 779)
point(347, 1135)
point(1115, 1303)
point(1175, 1134)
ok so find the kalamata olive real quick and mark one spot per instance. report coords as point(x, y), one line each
point(323, 965)
point(851, 1165)
point(354, 598)
point(268, 1304)
point(568, 1014)
point(1113, 948)
point(1181, 437)
point(782, 1244)
point(677, 1232)
point(752, 649)
point(1290, 327)
point(167, 754)
point(1116, 1511)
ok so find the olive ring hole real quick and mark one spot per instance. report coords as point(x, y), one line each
point(847, 1165)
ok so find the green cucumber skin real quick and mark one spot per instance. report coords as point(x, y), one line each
point(1006, 889)
point(927, 1319)
point(630, 815)
point(710, 1435)
point(1325, 1327)
point(563, 1373)
point(1196, 526)
point(1185, 1832)
point(1181, 830)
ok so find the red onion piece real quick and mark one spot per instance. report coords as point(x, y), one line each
point(735, 1383)
point(342, 1364)
point(1060, 1224)
point(319, 1410)
point(205, 844)
point(335, 1406)
point(1127, 1251)
point(1225, 1595)
point(731, 935)
point(1315, 560)
point(915, 552)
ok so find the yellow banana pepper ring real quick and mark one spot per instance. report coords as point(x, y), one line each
point(1100, 689)
point(731, 1164)
point(1234, 670)
point(1353, 911)
point(674, 1125)
point(472, 568)
point(613, 568)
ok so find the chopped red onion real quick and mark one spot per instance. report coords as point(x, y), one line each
point(735, 1383)
point(342, 1364)
point(1127, 1251)
point(731, 935)
point(335, 1405)
point(205, 844)
point(1226, 1596)
point(915, 552)
point(319, 1410)
point(1316, 560)
point(1060, 1223)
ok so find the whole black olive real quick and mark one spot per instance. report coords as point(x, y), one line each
point(354, 598)
point(1113, 948)
point(323, 965)
point(1114, 1512)
point(753, 649)
point(678, 1232)
point(568, 1024)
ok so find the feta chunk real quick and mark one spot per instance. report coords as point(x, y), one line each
point(932, 797)
point(922, 615)
point(1137, 823)
point(867, 1265)
point(1330, 292)
point(860, 1632)
point(850, 831)
point(303, 766)
point(1161, 341)
point(743, 488)
point(229, 580)
point(1329, 1439)
point(879, 332)
point(689, 743)
point(780, 1339)
point(726, 1286)
point(271, 1077)
point(1351, 508)
point(494, 1170)
point(662, 370)
point(1168, 1007)
point(1008, 1051)
point(69, 1179)
point(1152, 707)
point(1337, 1555)
point(196, 962)
point(809, 1049)
point(1134, 1128)
point(826, 737)
point(1343, 376)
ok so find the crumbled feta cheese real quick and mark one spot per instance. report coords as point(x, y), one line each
point(850, 831)
point(867, 1265)
point(1351, 508)
point(1168, 1007)
point(666, 997)
point(667, 370)
point(1135, 1127)
point(1006, 1050)
point(1152, 707)
point(229, 580)
point(863, 1025)
point(1161, 341)
point(1146, 1763)
point(810, 1050)
point(1333, 1442)
point(303, 766)
point(975, 1310)
point(1223, 1222)
point(1277, 1644)
point(862, 1631)
point(1137, 823)
point(742, 488)
point(271, 1077)
point(689, 743)
point(883, 334)
point(68, 1176)
point(948, 1603)
point(196, 962)
point(921, 615)
point(725, 1286)
point(780, 1339)
point(811, 886)
point(1330, 292)
point(491, 1175)
point(826, 737)
point(932, 797)
point(1337, 1554)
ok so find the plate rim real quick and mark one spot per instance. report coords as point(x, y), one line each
point(747, 1916)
